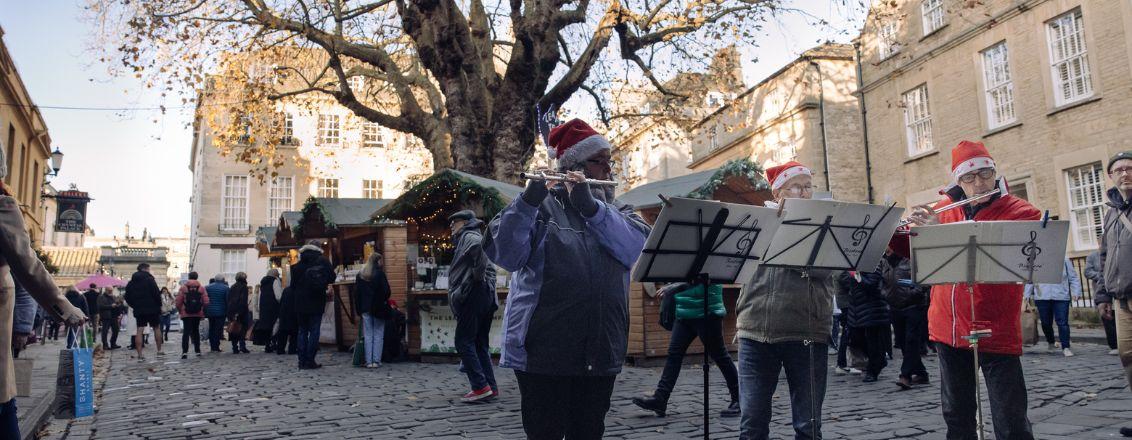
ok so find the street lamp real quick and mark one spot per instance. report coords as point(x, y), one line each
point(56, 162)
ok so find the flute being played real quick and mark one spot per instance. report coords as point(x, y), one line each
point(555, 177)
point(951, 206)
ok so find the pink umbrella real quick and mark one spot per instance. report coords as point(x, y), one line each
point(100, 281)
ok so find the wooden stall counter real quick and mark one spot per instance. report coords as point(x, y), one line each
point(432, 327)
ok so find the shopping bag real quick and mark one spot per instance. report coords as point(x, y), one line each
point(360, 348)
point(74, 380)
point(1029, 325)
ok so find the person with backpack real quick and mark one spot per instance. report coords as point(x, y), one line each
point(910, 302)
point(692, 323)
point(471, 295)
point(239, 316)
point(191, 302)
point(216, 311)
point(310, 277)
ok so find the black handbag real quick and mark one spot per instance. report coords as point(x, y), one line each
point(668, 304)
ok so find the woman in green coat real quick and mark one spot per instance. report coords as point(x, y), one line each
point(691, 324)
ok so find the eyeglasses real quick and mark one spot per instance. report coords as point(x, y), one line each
point(798, 189)
point(983, 174)
point(1121, 171)
point(602, 162)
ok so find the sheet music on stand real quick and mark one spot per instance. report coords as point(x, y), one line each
point(828, 234)
point(991, 252)
point(672, 248)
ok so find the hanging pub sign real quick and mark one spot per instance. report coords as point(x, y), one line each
point(71, 214)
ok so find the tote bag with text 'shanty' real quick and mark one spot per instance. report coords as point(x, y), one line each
point(74, 382)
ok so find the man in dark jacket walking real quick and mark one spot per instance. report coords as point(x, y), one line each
point(471, 296)
point(868, 318)
point(909, 302)
point(91, 296)
point(569, 248)
point(1116, 258)
point(143, 295)
point(216, 311)
point(310, 278)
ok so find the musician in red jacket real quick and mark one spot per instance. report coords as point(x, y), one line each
point(997, 308)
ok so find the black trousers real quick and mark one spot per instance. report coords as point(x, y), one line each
point(285, 342)
point(1109, 332)
point(876, 341)
point(109, 325)
point(915, 320)
point(191, 331)
point(573, 407)
point(1006, 388)
point(710, 332)
point(215, 331)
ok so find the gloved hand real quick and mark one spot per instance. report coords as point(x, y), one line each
point(535, 193)
point(583, 200)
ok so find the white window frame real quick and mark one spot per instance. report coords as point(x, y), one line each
point(233, 261)
point(357, 83)
point(932, 14)
point(1066, 40)
point(918, 120)
point(779, 156)
point(288, 135)
point(373, 135)
point(1091, 191)
point(324, 188)
point(998, 86)
point(228, 223)
point(887, 45)
point(714, 100)
point(272, 198)
point(372, 188)
point(327, 134)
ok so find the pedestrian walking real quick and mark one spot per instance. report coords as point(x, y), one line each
point(784, 316)
point(868, 318)
point(168, 309)
point(371, 293)
point(79, 302)
point(1052, 302)
point(1101, 299)
point(569, 248)
point(144, 297)
point(239, 315)
point(471, 296)
point(108, 315)
point(909, 301)
point(310, 278)
point(191, 302)
point(270, 294)
point(1116, 257)
point(691, 323)
point(19, 262)
point(91, 296)
point(285, 339)
point(216, 311)
point(997, 307)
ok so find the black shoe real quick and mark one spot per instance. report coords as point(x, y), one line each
point(244, 351)
point(732, 410)
point(1127, 432)
point(920, 380)
point(869, 378)
point(184, 355)
point(904, 383)
point(314, 365)
point(652, 403)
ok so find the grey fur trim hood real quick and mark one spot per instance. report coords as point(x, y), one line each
point(310, 247)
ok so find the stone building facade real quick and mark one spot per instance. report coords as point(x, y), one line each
point(806, 111)
point(1045, 84)
point(26, 144)
point(330, 153)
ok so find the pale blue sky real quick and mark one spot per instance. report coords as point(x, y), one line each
point(135, 163)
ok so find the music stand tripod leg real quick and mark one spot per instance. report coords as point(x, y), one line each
point(703, 281)
point(975, 335)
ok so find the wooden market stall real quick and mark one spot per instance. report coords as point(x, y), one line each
point(424, 209)
point(347, 233)
point(737, 181)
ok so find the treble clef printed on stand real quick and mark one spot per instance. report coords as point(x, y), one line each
point(1031, 249)
point(747, 240)
point(860, 234)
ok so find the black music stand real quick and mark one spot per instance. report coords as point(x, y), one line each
point(994, 252)
point(703, 242)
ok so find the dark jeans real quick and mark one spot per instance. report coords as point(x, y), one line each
point(9, 422)
point(876, 341)
point(109, 325)
point(842, 342)
point(215, 332)
point(309, 328)
point(239, 340)
point(472, 330)
point(1053, 310)
point(190, 331)
point(759, 366)
point(1006, 387)
point(710, 332)
point(285, 342)
point(166, 322)
point(1109, 332)
point(912, 340)
point(573, 407)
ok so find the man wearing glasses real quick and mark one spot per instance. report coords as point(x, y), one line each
point(1116, 258)
point(783, 320)
point(997, 307)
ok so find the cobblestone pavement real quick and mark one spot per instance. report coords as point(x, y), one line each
point(264, 396)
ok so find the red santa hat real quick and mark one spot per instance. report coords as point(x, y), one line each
point(968, 156)
point(574, 142)
point(780, 174)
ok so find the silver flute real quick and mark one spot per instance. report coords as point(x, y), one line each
point(559, 177)
point(963, 202)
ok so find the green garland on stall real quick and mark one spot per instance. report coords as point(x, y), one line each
point(310, 206)
point(462, 188)
point(736, 167)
